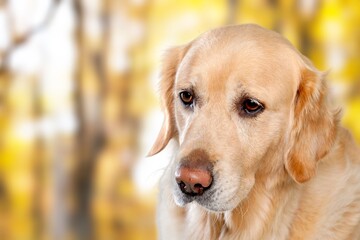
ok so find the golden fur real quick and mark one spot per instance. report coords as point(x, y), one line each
point(291, 172)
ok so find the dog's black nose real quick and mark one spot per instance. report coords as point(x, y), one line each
point(194, 174)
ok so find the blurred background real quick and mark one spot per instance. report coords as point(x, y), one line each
point(79, 108)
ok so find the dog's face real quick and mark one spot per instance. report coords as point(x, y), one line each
point(233, 100)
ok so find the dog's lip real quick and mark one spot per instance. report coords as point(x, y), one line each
point(183, 199)
point(207, 200)
point(204, 202)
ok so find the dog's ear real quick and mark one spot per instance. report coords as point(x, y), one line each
point(168, 130)
point(314, 126)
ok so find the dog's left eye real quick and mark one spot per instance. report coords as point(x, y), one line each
point(187, 98)
point(252, 106)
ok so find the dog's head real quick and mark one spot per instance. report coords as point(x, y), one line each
point(241, 102)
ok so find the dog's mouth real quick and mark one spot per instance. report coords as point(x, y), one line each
point(211, 199)
point(197, 181)
point(205, 199)
point(221, 196)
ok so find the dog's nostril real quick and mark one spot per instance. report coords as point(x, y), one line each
point(199, 189)
point(185, 188)
point(182, 186)
point(188, 189)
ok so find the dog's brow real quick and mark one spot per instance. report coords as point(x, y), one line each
point(184, 85)
point(240, 93)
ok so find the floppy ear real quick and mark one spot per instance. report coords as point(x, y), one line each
point(168, 130)
point(314, 128)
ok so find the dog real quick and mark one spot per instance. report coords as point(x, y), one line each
point(260, 150)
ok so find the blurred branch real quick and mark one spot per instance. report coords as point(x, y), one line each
point(90, 136)
point(232, 9)
point(23, 38)
point(354, 91)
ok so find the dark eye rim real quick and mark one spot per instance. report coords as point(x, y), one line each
point(189, 103)
point(249, 112)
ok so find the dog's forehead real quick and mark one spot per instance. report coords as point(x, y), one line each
point(252, 56)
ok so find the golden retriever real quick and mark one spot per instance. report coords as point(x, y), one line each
point(261, 154)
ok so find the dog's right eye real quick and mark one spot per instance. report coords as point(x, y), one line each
point(251, 107)
point(187, 98)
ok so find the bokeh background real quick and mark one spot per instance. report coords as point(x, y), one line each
point(79, 107)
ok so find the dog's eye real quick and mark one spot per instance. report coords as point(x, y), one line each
point(251, 106)
point(187, 98)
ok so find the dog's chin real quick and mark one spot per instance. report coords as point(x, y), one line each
point(208, 201)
